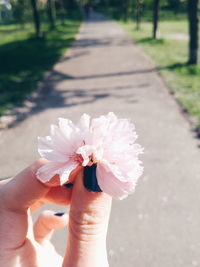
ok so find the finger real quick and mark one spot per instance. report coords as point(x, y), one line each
point(58, 195)
point(47, 222)
point(88, 222)
point(5, 181)
point(24, 189)
point(16, 197)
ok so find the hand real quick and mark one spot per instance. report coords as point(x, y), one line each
point(24, 245)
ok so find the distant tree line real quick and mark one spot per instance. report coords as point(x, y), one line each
point(34, 10)
point(134, 9)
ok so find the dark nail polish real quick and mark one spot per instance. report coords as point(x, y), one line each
point(68, 185)
point(59, 214)
point(90, 179)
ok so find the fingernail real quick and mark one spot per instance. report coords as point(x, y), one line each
point(68, 185)
point(90, 179)
point(59, 214)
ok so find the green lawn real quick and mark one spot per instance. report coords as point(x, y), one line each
point(170, 54)
point(24, 59)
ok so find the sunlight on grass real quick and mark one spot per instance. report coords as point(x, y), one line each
point(170, 56)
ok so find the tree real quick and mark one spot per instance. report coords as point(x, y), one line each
point(156, 7)
point(51, 13)
point(36, 17)
point(193, 31)
point(174, 5)
point(138, 13)
point(107, 4)
point(123, 8)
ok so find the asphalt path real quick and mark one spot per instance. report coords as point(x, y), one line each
point(158, 226)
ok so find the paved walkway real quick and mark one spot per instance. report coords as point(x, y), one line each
point(159, 226)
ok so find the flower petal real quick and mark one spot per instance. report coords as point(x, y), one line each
point(67, 169)
point(84, 122)
point(67, 128)
point(46, 172)
point(128, 170)
point(47, 150)
point(111, 185)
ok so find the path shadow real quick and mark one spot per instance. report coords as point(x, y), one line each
point(59, 76)
point(74, 55)
point(108, 41)
point(94, 17)
point(47, 97)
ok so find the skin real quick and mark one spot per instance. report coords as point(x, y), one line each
point(23, 244)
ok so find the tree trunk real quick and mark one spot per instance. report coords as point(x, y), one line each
point(156, 7)
point(193, 31)
point(138, 13)
point(69, 6)
point(52, 13)
point(125, 10)
point(36, 17)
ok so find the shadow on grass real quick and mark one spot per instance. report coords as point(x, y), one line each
point(151, 40)
point(183, 68)
point(24, 62)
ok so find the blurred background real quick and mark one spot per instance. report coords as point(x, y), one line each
point(167, 30)
point(137, 58)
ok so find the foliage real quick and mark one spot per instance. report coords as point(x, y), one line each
point(20, 10)
point(127, 9)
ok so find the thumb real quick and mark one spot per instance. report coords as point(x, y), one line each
point(88, 223)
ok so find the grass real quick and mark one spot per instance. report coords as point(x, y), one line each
point(24, 59)
point(170, 55)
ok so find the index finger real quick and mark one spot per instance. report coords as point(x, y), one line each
point(24, 189)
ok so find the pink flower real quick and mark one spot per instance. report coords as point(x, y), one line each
point(106, 141)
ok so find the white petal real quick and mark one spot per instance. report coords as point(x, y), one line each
point(67, 128)
point(49, 151)
point(64, 176)
point(46, 172)
point(44, 143)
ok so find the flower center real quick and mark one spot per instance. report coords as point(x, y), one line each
point(78, 158)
